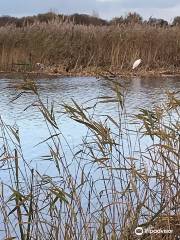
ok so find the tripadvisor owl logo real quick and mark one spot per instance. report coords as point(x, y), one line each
point(139, 231)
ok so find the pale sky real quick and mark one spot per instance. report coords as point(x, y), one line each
point(106, 9)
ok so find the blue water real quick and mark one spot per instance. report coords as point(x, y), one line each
point(32, 128)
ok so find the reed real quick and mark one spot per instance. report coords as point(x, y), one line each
point(111, 185)
point(65, 47)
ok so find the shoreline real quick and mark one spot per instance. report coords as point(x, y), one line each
point(92, 73)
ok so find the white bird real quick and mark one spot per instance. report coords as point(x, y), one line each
point(136, 63)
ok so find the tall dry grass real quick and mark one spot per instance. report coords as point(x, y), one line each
point(75, 47)
point(112, 183)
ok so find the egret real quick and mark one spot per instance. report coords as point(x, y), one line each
point(136, 63)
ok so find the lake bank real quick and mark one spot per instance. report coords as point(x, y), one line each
point(68, 49)
point(93, 72)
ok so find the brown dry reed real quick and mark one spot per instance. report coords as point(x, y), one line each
point(64, 46)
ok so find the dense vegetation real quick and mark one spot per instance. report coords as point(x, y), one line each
point(80, 42)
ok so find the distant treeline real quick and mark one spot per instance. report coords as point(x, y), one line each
point(84, 19)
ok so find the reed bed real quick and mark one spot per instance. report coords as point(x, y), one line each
point(111, 185)
point(67, 47)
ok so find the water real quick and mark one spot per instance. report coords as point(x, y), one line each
point(141, 93)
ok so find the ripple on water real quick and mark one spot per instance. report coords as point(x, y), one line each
point(141, 93)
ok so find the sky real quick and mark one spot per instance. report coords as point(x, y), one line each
point(107, 9)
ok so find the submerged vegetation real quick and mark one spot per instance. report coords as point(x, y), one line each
point(111, 185)
point(84, 44)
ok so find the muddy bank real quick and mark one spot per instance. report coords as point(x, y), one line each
point(90, 72)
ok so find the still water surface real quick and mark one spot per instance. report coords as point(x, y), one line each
point(141, 93)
